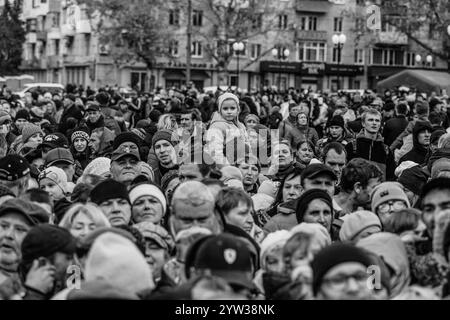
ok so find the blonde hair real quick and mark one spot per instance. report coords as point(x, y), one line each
point(165, 122)
point(91, 210)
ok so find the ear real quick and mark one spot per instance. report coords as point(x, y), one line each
point(357, 187)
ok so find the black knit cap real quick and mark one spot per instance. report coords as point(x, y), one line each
point(109, 189)
point(126, 137)
point(334, 255)
point(307, 197)
point(22, 114)
point(337, 121)
point(13, 167)
point(414, 179)
point(45, 240)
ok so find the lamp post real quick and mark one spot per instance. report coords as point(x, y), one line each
point(428, 59)
point(339, 40)
point(238, 47)
point(280, 55)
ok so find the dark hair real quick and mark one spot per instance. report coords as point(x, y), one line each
point(336, 146)
point(402, 220)
point(358, 170)
point(37, 195)
point(292, 174)
point(213, 182)
point(402, 108)
point(434, 184)
point(229, 198)
point(310, 144)
point(435, 118)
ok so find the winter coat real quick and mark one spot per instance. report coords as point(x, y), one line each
point(393, 128)
point(301, 133)
point(418, 152)
point(222, 135)
point(287, 126)
point(106, 145)
point(73, 111)
point(373, 150)
point(344, 140)
point(285, 219)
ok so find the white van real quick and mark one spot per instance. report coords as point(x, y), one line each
point(43, 87)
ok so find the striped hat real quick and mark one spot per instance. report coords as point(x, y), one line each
point(79, 134)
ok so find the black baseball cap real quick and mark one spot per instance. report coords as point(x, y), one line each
point(13, 167)
point(55, 140)
point(314, 170)
point(225, 256)
point(33, 213)
point(93, 106)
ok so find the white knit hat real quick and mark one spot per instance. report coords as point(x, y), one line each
point(262, 201)
point(148, 190)
point(227, 96)
point(317, 231)
point(116, 260)
point(57, 175)
point(277, 238)
point(98, 166)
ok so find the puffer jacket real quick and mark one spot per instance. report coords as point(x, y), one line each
point(221, 135)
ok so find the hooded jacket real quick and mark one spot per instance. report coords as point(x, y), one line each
point(221, 134)
point(418, 152)
point(373, 150)
point(300, 133)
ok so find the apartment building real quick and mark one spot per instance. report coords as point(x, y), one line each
point(61, 47)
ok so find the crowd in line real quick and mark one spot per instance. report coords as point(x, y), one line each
point(183, 194)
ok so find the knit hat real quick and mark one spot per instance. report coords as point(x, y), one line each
point(147, 171)
point(45, 240)
point(22, 114)
point(227, 96)
point(141, 133)
point(403, 166)
point(13, 167)
point(274, 239)
point(317, 231)
point(357, 222)
point(156, 233)
point(154, 115)
point(148, 190)
point(337, 121)
point(102, 98)
point(440, 165)
point(57, 175)
point(165, 134)
point(117, 260)
point(388, 191)
point(307, 197)
point(269, 188)
point(252, 116)
point(229, 173)
point(29, 130)
point(109, 189)
point(126, 137)
point(334, 255)
point(79, 134)
point(262, 201)
point(98, 166)
point(167, 178)
point(415, 178)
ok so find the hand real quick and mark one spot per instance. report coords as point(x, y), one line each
point(41, 278)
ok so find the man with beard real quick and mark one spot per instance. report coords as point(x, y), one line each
point(369, 144)
point(17, 217)
point(250, 170)
point(125, 164)
point(358, 180)
point(47, 252)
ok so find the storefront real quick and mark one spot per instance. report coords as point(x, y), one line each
point(344, 76)
point(282, 75)
point(311, 76)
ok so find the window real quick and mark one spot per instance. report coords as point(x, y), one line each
point(282, 21)
point(197, 18)
point(338, 24)
point(255, 51)
point(410, 59)
point(174, 17)
point(337, 56)
point(173, 48)
point(308, 23)
point(197, 49)
point(35, 3)
point(311, 51)
point(87, 41)
point(388, 57)
point(31, 25)
point(56, 43)
point(359, 24)
point(257, 21)
point(56, 20)
point(359, 56)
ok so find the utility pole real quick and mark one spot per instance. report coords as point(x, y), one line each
point(189, 43)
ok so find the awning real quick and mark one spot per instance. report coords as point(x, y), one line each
point(199, 74)
point(174, 74)
point(423, 80)
point(318, 6)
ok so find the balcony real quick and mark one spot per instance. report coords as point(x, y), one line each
point(313, 6)
point(41, 35)
point(84, 26)
point(392, 38)
point(68, 30)
point(311, 35)
point(31, 37)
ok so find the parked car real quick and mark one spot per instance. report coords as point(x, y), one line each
point(43, 87)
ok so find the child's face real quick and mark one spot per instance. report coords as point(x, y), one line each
point(229, 110)
point(55, 191)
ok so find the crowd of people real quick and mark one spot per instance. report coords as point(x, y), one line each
point(184, 194)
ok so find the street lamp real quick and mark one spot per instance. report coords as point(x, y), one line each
point(428, 59)
point(238, 47)
point(280, 55)
point(339, 40)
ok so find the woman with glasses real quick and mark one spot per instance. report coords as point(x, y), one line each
point(388, 198)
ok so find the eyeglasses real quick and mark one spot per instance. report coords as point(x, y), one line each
point(341, 280)
point(396, 205)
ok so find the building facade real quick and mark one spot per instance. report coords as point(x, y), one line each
point(61, 47)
